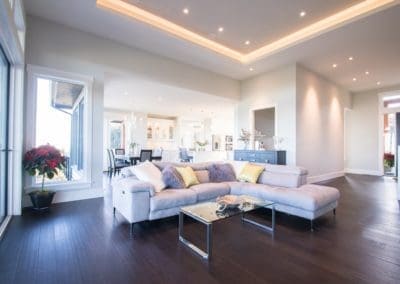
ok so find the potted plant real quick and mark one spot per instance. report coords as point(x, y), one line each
point(202, 145)
point(45, 161)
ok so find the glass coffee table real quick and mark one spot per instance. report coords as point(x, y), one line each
point(208, 212)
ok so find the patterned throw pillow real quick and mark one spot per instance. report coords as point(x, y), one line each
point(250, 173)
point(188, 176)
point(221, 172)
point(172, 178)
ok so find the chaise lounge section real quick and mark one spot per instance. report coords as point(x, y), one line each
point(285, 185)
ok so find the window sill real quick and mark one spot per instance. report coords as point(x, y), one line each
point(60, 186)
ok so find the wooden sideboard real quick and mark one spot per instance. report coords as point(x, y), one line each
point(261, 156)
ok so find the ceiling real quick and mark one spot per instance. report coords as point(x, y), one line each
point(124, 92)
point(372, 41)
point(272, 20)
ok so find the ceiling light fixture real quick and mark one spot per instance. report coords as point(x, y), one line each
point(334, 65)
point(354, 79)
point(367, 72)
point(185, 11)
point(247, 42)
point(351, 58)
point(251, 69)
point(378, 83)
point(357, 11)
point(302, 14)
point(221, 29)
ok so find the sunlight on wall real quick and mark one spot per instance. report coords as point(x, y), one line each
point(312, 112)
point(335, 117)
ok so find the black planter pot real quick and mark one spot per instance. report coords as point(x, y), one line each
point(41, 200)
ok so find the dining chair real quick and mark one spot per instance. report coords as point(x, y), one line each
point(117, 164)
point(157, 154)
point(184, 156)
point(110, 163)
point(146, 155)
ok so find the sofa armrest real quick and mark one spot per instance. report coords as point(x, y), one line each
point(131, 197)
point(134, 185)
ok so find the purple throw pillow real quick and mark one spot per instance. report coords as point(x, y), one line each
point(172, 178)
point(221, 172)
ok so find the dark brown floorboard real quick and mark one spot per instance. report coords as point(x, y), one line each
point(81, 242)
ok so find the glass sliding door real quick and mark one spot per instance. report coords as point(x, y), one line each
point(4, 94)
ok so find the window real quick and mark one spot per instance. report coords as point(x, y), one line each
point(4, 129)
point(60, 116)
point(117, 135)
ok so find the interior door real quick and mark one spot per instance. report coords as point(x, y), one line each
point(4, 111)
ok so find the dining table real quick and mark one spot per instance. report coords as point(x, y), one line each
point(135, 159)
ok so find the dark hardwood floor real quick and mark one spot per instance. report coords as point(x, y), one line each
point(81, 242)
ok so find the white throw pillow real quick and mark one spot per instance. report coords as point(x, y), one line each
point(127, 171)
point(148, 172)
point(238, 166)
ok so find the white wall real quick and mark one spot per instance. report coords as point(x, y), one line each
point(66, 49)
point(320, 125)
point(273, 89)
point(362, 134)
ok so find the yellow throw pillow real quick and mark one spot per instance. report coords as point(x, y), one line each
point(250, 173)
point(188, 176)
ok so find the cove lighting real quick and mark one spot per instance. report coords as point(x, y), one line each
point(352, 13)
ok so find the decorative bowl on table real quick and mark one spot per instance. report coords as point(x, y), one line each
point(229, 202)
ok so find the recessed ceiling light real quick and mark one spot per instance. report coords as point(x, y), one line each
point(251, 69)
point(221, 29)
point(185, 11)
point(302, 14)
point(351, 58)
point(354, 79)
point(334, 65)
point(247, 42)
point(378, 83)
point(366, 72)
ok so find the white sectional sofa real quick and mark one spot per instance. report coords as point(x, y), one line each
point(137, 200)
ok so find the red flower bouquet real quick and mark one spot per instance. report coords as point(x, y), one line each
point(45, 161)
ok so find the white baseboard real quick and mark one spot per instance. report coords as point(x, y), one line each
point(363, 172)
point(324, 177)
point(69, 195)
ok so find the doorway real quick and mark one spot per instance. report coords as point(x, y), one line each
point(390, 141)
point(390, 133)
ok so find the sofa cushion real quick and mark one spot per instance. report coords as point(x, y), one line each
point(280, 179)
point(203, 176)
point(207, 191)
point(170, 198)
point(245, 188)
point(309, 197)
point(221, 172)
point(148, 172)
point(172, 178)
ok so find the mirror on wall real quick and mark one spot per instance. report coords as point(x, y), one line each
point(264, 128)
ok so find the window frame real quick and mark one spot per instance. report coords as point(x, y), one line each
point(35, 72)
